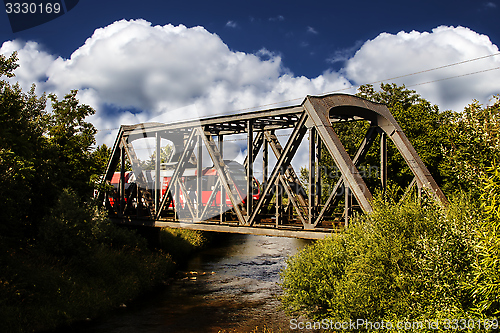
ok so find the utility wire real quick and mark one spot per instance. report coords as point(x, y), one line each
point(370, 83)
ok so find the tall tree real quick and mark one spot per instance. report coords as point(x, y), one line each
point(41, 152)
point(472, 145)
point(422, 123)
point(24, 123)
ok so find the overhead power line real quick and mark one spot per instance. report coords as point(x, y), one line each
point(370, 83)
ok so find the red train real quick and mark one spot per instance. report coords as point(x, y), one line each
point(208, 180)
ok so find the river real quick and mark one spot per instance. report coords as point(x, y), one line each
point(231, 286)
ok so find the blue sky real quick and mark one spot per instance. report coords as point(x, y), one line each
point(306, 35)
point(136, 61)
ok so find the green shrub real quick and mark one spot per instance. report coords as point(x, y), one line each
point(180, 243)
point(486, 283)
point(72, 230)
point(80, 266)
point(402, 261)
point(67, 231)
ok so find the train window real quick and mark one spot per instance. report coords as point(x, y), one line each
point(208, 182)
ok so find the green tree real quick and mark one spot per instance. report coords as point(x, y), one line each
point(165, 153)
point(99, 158)
point(471, 144)
point(402, 261)
point(486, 283)
point(71, 139)
point(41, 153)
point(24, 123)
point(422, 123)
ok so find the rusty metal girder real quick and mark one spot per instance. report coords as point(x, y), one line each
point(306, 214)
point(223, 173)
point(179, 170)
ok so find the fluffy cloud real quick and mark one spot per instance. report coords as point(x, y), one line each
point(389, 56)
point(33, 62)
point(163, 73)
point(131, 72)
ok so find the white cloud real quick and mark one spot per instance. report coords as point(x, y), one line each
point(388, 56)
point(33, 62)
point(342, 55)
point(166, 73)
point(231, 24)
point(132, 72)
point(312, 30)
point(277, 18)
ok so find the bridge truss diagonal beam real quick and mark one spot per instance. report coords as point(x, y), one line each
point(223, 173)
point(282, 164)
point(346, 166)
point(342, 107)
point(290, 173)
point(365, 145)
point(179, 170)
point(283, 206)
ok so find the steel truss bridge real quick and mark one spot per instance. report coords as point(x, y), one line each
point(284, 206)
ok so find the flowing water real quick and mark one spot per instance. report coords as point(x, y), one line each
point(231, 286)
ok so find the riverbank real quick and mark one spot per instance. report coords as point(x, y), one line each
point(41, 290)
point(231, 286)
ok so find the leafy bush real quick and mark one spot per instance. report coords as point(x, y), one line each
point(80, 265)
point(486, 283)
point(180, 243)
point(403, 261)
point(470, 144)
point(73, 230)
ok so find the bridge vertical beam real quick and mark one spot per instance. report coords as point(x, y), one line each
point(265, 161)
point(179, 170)
point(279, 200)
point(122, 180)
point(157, 173)
point(140, 180)
point(383, 161)
point(312, 174)
point(250, 159)
point(365, 145)
point(291, 198)
point(199, 160)
point(290, 174)
point(283, 163)
point(220, 140)
point(223, 173)
point(318, 172)
point(424, 178)
point(348, 204)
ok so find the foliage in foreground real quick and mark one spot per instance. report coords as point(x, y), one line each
point(61, 260)
point(180, 243)
point(80, 266)
point(42, 151)
point(486, 283)
point(415, 261)
point(403, 261)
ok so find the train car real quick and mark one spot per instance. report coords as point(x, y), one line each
point(189, 178)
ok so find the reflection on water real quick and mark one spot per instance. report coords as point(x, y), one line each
point(232, 286)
